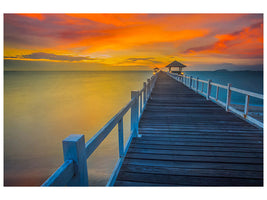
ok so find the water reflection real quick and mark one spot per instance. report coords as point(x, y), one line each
point(43, 108)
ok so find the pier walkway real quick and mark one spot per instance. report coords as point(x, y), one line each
point(187, 140)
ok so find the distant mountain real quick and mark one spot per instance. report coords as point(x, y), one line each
point(221, 70)
point(225, 70)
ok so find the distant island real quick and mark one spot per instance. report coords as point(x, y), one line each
point(226, 70)
point(221, 70)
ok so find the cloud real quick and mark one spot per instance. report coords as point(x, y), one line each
point(34, 16)
point(245, 43)
point(51, 56)
point(150, 59)
point(10, 57)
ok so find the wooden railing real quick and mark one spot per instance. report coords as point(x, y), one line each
point(73, 172)
point(198, 86)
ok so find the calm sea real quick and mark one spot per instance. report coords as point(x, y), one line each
point(43, 108)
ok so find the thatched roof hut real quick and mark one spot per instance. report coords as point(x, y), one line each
point(176, 64)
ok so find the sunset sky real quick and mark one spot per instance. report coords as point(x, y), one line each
point(132, 41)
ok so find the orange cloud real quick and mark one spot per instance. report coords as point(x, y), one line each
point(247, 42)
point(34, 16)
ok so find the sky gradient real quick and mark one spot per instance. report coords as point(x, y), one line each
point(132, 41)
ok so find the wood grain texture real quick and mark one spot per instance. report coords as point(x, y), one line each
point(188, 140)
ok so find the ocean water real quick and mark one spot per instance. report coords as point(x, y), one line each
point(43, 108)
point(246, 80)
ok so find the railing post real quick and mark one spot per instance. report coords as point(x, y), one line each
point(208, 89)
point(148, 87)
point(145, 93)
point(197, 85)
point(120, 136)
point(228, 98)
point(134, 113)
point(190, 82)
point(217, 93)
point(246, 106)
point(140, 106)
point(202, 87)
point(74, 149)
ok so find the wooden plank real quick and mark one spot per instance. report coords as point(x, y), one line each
point(203, 144)
point(192, 172)
point(193, 158)
point(137, 184)
point(160, 151)
point(195, 165)
point(189, 180)
point(200, 148)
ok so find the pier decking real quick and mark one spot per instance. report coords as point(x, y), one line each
point(187, 140)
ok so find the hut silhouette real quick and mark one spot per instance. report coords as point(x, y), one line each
point(176, 65)
point(156, 69)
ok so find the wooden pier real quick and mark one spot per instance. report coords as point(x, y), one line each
point(187, 140)
point(180, 136)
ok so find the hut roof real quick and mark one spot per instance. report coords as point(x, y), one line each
point(175, 64)
point(156, 68)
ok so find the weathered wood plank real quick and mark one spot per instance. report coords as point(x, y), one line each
point(192, 172)
point(188, 180)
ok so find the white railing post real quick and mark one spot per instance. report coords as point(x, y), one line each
point(190, 82)
point(120, 136)
point(74, 149)
point(145, 93)
point(246, 106)
point(134, 113)
point(141, 103)
point(217, 93)
point(148, 88)
point(197, 85)
point(228, 98)
point(208, 89)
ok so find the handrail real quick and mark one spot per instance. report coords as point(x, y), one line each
point(188, 81)
point(62, 175)
point(73, 172)
point(95, 141)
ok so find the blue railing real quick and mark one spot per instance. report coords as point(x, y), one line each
point(204, 88)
